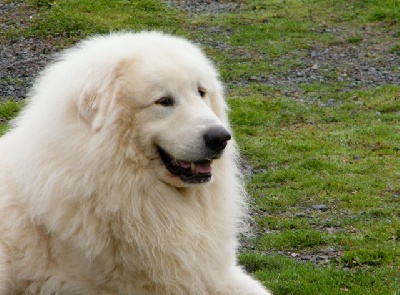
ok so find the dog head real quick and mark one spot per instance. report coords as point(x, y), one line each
point(164, 97)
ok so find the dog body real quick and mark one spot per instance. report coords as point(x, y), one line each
point(120, 176)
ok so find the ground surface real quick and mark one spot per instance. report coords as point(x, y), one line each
point(363, 64)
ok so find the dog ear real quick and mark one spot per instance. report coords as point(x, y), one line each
point(96, 98)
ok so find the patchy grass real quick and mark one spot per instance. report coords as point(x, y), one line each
point(384, 10)
point(301, 278)
point(395, 49)
point(76, 19)
point(339, 148)
point(8, 110)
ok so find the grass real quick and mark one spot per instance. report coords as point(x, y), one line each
point(340, 148)
point(75, 19)
point(8, 110)
point(301, 278)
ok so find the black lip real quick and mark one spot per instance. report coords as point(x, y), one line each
point(185, 175)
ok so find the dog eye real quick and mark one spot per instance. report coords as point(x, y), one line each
point(202, 91)
point(166, 101)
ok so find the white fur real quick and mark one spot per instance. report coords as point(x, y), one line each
point(86, 205)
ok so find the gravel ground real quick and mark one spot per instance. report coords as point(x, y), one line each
point(204, 6)
point(20, 59)
point(358, 66)
point(361, 65)
point(20, 62)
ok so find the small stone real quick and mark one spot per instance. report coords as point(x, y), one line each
point(255, 79)
point(301, 215)
point(306, 258)
point(320, 207)
point(322, 258)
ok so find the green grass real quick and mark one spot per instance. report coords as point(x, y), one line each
point(384, 10)
point(8, 110)
point(301, 278)
point(72, 20)
point(341, 148)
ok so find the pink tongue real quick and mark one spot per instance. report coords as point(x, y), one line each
point(203, 168)
point(200, 168)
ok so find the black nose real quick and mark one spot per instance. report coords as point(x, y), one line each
point(216, 138)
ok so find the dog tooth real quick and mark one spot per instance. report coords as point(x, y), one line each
point(193, 167)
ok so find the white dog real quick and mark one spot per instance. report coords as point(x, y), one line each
point(120, 177)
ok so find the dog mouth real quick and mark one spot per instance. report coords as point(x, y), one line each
point(189, 172)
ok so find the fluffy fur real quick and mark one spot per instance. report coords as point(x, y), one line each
point(87, 206)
